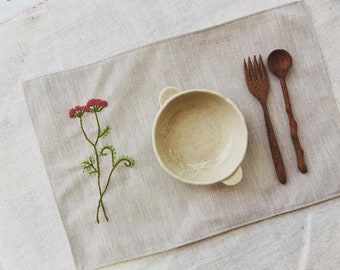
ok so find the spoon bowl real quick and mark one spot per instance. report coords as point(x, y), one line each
point(279, 62)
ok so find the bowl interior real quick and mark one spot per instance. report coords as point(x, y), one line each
point(200, 137)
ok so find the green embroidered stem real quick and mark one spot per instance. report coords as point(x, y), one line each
point(102, 152)
point(84, 133)
point(97, 170)
point(99, 188)
point(98, 128)
point(129, 162)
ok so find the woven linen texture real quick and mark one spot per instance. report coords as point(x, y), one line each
point(149, 211)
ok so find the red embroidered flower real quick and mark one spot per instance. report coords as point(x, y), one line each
point(93, 105)
point(96, 105)
point(78, 111)
point(71, 113)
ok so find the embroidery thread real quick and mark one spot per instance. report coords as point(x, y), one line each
point(92, 164)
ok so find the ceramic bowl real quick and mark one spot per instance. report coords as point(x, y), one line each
point(199, 136)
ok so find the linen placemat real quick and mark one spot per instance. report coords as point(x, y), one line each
point(79, 115)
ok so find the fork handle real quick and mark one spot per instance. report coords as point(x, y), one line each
point(274, 147)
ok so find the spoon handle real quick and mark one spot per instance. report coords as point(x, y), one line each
point(293, 128)
point(274, 147)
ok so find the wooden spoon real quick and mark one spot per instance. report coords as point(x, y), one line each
point(279, 62)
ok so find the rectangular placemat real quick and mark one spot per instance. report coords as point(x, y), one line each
point(149, 211)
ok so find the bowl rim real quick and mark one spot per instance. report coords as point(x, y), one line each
point(188, 92)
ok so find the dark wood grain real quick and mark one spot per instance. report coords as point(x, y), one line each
point(274, 146)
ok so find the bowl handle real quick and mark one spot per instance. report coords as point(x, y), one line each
point(167, 93)
point(235, 178)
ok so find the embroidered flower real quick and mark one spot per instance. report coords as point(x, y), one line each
point(93, 105)
point(91, 164)
point(96, 105)
point(78, 111)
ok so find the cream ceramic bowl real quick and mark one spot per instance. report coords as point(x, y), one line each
point(199, 137)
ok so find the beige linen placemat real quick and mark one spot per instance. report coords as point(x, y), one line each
point(148, 211)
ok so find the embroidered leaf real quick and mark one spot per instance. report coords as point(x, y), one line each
point(128, 161)
point(89, 165)
point(90, 160)
point(107, 147)
point(105, 131)
point(110, 148)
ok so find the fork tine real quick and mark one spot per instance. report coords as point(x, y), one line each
point(246, 73)
point(262, 69)
point(257, 73)
point(251, 70)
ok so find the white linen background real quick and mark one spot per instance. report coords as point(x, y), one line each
point(63, 35)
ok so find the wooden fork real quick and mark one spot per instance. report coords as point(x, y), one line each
point(258, 84)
